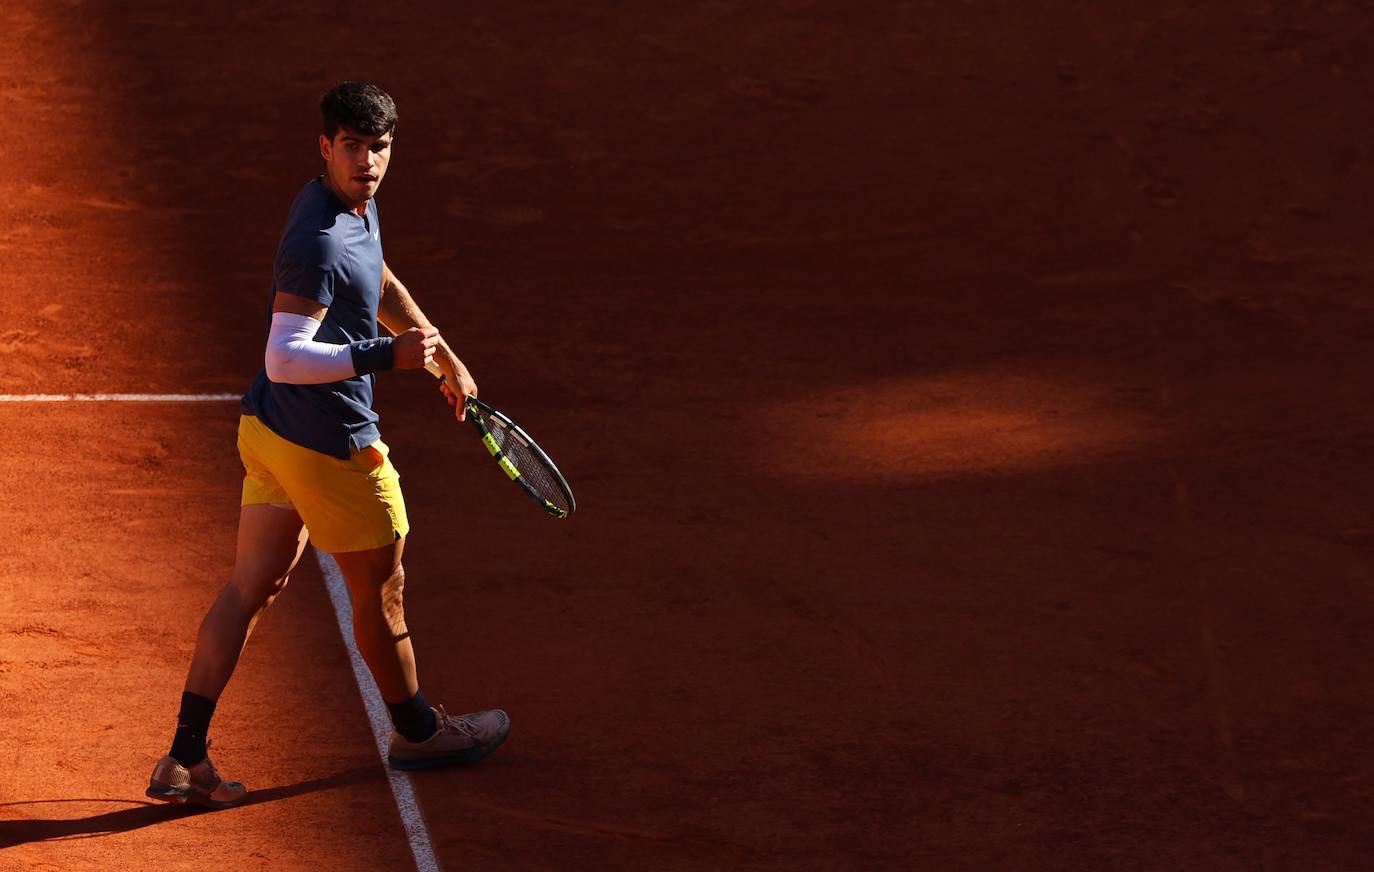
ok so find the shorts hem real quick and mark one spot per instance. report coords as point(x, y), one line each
point(270, 500)
point(361, 542)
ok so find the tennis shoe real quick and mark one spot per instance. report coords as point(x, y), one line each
point(197, 785)
point(459, 740)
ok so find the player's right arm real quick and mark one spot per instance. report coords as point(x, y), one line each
point(294, 356)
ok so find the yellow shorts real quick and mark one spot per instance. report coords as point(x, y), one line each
point(347, 505)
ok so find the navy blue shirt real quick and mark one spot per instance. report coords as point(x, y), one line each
point(332, 255)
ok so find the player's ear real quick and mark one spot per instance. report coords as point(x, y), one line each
point(325, 146)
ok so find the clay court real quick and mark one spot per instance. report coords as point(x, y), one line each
point(968, 407)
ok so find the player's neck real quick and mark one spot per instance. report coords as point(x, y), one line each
point(359, 208)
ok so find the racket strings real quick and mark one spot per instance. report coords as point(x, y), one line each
point(530, 464)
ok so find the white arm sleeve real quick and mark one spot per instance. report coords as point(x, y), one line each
point(293, 356)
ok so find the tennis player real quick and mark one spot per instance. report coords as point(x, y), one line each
point(315, 464)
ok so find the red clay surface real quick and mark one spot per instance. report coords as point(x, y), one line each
point(968, 408)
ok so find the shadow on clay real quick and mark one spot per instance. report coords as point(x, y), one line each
point(144, 813)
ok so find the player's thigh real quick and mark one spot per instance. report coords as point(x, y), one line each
point(270, 542)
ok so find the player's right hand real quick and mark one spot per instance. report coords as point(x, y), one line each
point(456, 374)
point(414, 348)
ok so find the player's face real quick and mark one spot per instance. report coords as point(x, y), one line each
point(355, 164)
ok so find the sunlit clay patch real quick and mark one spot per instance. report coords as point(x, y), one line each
point(959, 424)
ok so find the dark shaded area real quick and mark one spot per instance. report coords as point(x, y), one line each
point(146, 814)
point(671, 242)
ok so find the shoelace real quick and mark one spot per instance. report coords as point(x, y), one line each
point(458, 722)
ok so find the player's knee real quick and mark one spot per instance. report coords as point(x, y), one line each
point(393, 588)
point(255, 589)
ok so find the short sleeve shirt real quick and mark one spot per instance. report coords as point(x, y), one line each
point(332, 255)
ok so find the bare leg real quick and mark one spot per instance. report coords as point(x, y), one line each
point(270, 542)
point(375, 581)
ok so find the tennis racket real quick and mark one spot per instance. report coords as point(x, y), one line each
point(519, 456)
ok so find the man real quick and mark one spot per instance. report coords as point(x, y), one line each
point(315, 463)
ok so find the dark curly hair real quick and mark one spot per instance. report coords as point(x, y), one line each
point(360, 106)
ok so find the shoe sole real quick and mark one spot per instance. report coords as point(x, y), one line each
point(176, 796)
point(466, 757)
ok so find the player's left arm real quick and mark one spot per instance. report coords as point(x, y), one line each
point(398, 312)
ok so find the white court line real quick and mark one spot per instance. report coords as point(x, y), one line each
point(401, 787)
point(118, 398)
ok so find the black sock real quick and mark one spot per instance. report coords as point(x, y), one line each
point(193, 722)
point(413, 718)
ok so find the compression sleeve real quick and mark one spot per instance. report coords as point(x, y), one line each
point(293, 356)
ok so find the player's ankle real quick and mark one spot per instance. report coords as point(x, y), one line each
point(193, 723)
point(413, 719)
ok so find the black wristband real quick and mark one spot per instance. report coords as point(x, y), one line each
point(372, 355)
